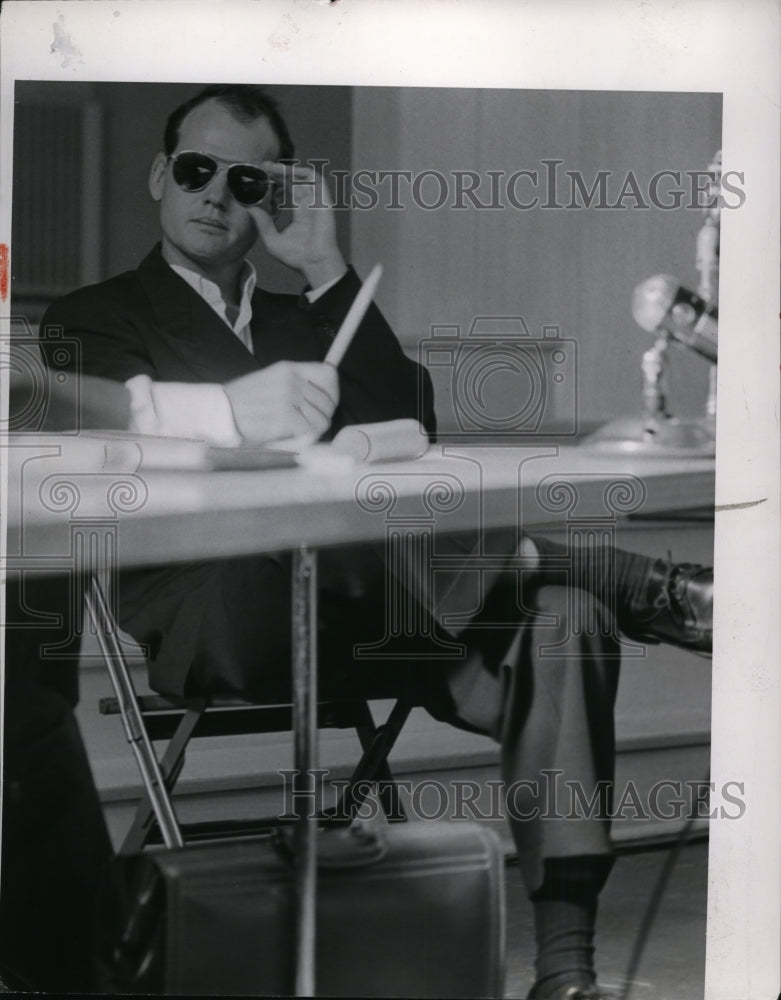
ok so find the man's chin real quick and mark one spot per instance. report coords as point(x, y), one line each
point(206, 248)
point(213, 238)
point(213, 248)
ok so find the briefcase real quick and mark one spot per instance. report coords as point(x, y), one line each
point(411, 909)
point(414, 909)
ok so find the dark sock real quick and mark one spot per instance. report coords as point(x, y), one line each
point(616, 577)
point(565, 910)
point(565, 943)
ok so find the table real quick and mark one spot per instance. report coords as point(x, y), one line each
point(66, 516)
point(163, 517)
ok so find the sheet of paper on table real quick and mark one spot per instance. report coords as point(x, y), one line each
point(124, 451)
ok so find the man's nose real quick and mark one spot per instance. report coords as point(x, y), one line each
point(217, 191)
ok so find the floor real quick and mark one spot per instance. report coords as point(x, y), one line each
point(673, 959)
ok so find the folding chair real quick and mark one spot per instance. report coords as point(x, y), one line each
point(149, 718)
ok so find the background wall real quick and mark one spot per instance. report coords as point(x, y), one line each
point(82, 153)
point(572, 268)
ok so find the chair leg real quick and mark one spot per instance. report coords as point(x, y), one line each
point(372, 769)
point(377, 743)
point(171, 767)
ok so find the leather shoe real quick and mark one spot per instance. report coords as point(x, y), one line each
point(674, 605)
point(571, 992)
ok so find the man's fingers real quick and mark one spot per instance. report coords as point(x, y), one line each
point(286, 399)
point(324, 392)
point(304, 186)
point(264, 223)
point(311, 419)
point(319, 390)
point(319, 407)
point(301, 423)
point(283, 170)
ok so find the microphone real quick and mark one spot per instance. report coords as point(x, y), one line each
point(661, 304)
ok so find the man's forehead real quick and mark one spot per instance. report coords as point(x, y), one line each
point(211, 127)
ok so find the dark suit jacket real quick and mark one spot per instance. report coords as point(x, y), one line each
point(150, 321)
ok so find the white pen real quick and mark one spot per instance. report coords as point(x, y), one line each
point(338, 349)
point(352, 320)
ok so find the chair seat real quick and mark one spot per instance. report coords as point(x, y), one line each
point(155, 717)
point(232, 716)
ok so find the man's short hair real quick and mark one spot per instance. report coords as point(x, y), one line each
point(246, 102)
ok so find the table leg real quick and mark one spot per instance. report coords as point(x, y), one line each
point(305, 735)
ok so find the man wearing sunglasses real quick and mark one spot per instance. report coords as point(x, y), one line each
point(206, 353)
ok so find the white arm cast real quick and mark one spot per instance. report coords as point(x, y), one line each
point(182, 409)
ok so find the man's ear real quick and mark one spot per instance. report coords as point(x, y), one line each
point(156, 179)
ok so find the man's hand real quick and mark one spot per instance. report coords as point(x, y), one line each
point(308, 243)
point(288, 399)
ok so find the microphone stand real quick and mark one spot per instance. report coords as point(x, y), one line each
point(708, 246)
point(655, 431)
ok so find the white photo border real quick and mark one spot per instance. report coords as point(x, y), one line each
point(729, 47)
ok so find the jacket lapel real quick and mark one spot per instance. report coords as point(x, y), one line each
point(282, 329)
point(191, 327)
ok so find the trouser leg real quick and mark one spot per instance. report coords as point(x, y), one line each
point(547, 694)
point(224, 626)
point(558, 733)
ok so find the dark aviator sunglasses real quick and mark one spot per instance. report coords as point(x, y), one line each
point(248, 184)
